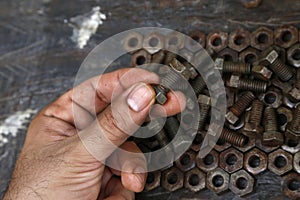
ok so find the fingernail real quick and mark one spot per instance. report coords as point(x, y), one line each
point(140, 97)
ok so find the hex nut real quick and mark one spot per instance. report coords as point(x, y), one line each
point(217, 180)
point(264, 148)
point(133, 42)
point(290, 185)
point(255, 161)
point(217, 40)
point(249, 55)
point(261, 72)
point(231, 160)
point(241, 183)
point(186, 161)
point(249, 145)
point(293, 55)
point(239, 40)
point(209, 162)
point(153, 42)
point(172, 179)
point(140, 57)
point(296, 162)
point(174, 39)
point(280, 162)
point(196, 38)
point(290, 145)
point(221, 146)
point(153, 180)
point(229, 55)
point(272, 99)
point(262, 38)
point(285, 36)
point(194, 180)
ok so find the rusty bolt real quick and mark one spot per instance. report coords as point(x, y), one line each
point(161, 94)
point(171, 126)
point(253, 128)
point(231, 160)
point(284, 116)
point(280, 162)
point(290, 185)
point(261, 72)
point(196, 145)
point(272, 99)
point(194, 180)
point(293, 127)
point(229, 55)
point(158, 58)
point(262, 38)
point(249, 55)
point(294, 94)
point(209, 162)
point(271, 137)
point(140, 57)
point(153, 42)
point(249, 144)
point(296, 162)
point(196, 38)
point(286, 36)
point(247, 84)
point(255, 161)
point(172, 179)
point(239, 40)
point(239, 107)
point(233, 137)
point(186, 161)
point(232, 67)
point(178, 67)
point(217, 180)
point(198, 85)
point(204, 107)
point(293, 55)
point(153, 180)
point(133, 42)
point(291, 146)
point(241, 183)
point(264, 148)
point(217, 41)
point(271, 58)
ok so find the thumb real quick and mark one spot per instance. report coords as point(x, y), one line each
point(118, 121)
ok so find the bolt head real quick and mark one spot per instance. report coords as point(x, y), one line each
point(161, 98)
point(271, 56)
point(272, 138)
point(261, 72)
point(294, 94)
point(231, 118)
point(292, 134)
point(203, 99)
point(252, 130)
point(219, 63)
point(234, 81)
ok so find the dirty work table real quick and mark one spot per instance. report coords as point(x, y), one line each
point(38, 60)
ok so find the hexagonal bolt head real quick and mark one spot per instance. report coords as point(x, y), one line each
point(280, 162)
point(161, 94)
point(252, 130)
point(234, 81)
point(194, 180)
point(272, 138)
point(217, 180)
point(294, 94)
point(271, 56)
point(231, 118)
point(261, 72)
point(241, 183)
point(203, 99)
point(219, 63)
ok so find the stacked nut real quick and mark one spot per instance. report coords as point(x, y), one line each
point(261, 72)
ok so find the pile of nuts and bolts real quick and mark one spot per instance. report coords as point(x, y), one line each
point(261, 72)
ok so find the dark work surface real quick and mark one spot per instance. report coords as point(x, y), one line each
point(38, 61)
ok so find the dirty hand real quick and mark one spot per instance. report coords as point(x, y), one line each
point(55, 163)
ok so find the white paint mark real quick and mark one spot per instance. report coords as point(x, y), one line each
point(84, 26)
point(12, 124)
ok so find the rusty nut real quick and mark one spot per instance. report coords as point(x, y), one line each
point(255, 161)
point(229, 55)
point(152, 181)
point(296, 162)
point(231, 160)
point(293, 55)
point(174, 40)
point(194, 180)
point(290, 185)
point(196, 38)
point(140, 57)
point(290, 145)
point(217, 41)
point(239, 40)
point(241, 183)
point(249, 55)
point(217, 180)
point(153, 42)
point(172, 179)
point(262, 38)
point(186, 161)
point(280, 162)
point(221, 145)
point(261, 72)
point(133, 42)
point(285, 36)
point(272, 99)
point(209, 162)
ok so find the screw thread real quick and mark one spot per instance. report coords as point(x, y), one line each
point(171, 126)
point(256, 112)
point(253, 85)
point(239, 107)
point(270, 120)
point(238, 67)
point(204, 111)
point(297, 83)
point(198, 85)
point(282, 70)
point(162, 138)
point(233, 137)
point(173, 80)
point(295, 123)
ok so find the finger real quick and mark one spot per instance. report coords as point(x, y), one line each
point(118, 121)
point(129, 163)
point(94, 95)
point(116, 191)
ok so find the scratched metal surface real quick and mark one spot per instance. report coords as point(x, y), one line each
point(38, 61)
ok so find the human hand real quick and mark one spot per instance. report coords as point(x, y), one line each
point(54, 162)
